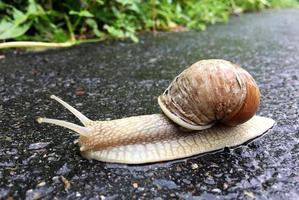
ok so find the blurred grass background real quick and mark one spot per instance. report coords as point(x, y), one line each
point(84, 20)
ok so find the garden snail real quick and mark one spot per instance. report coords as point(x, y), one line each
point(209, 106)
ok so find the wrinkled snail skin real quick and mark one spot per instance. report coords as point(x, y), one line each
point(172, 143)
point(181, 130)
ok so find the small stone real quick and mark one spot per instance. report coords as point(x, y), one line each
point(43, 183)
point(80, 91)
point(34, 195)
point(249, 194)
point(67, 184)
point(135, 185)
point(186, 181)
point(216, 190)
point(38, 145)
point(78, 194)
point(64, 170)
point(152, 60)
point(55, 179)
point(194, 166)
point(225, 186)
point(161, 183)
point(7, 138)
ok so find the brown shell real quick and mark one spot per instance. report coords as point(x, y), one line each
point(211, 91)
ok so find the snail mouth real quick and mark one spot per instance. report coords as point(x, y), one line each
point(179, 120)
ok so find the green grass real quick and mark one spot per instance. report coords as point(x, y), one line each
point(73, 21)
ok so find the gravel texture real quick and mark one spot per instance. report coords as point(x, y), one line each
point(115, 79)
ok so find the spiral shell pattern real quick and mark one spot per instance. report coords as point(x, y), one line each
point(211, 91)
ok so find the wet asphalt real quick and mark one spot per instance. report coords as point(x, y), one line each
point(115, 79)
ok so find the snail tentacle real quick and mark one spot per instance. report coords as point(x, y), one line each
point(83, 119)
point(84, 131)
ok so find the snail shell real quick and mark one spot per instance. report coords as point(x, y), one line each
point(208, 92)
point(211, 91)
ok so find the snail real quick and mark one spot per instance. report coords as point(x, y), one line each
point(209, 106)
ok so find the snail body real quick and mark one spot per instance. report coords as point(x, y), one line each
point(201, 113)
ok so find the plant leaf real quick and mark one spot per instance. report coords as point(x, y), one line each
point(12, 30)
point(4, 25)
point(93, 24)
point(33, 8)
point(82, 13)
point(114, 31)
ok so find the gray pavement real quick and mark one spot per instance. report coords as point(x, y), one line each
point(116, 79)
